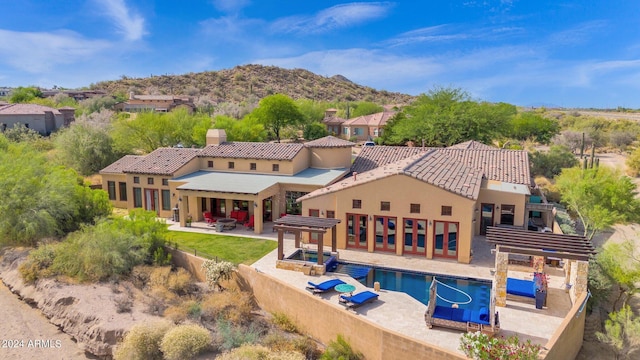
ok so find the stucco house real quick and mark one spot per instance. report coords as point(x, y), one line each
point(157, 103)
point(42, 119)
point(263, 179)
point(427, 202)
point(366, 127)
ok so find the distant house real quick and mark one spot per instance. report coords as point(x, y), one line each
point(77, 95)
point(366, 127)
point(5, 91)
point(157, 103)
point(42, 119)
point(332, 122)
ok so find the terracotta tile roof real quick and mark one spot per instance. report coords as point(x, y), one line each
point(328, 142)
point(124, 162)
point(253, 150)
point(496, 164)
point(162, 161)
point(333, 120)
point(161, 97)
point(26, 109)
point(472, 144)
point(432, 167)
point(377, 119)
point(371, 157)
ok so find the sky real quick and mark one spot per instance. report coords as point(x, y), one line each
point(568, 53)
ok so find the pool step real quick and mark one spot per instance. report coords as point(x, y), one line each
point(355, 271)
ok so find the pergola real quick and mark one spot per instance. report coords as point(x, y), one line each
point(571, 247)
point(313, 225)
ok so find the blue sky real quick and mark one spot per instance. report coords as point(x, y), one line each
point(572, 53)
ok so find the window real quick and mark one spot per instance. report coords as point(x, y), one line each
point(345, 131)
point(507, 213)
point(150, 181)
point(137, 197)
point(357, 131)
point(293, 207)
point(275, 167)
point(165, 182)
point(385, 206)
point(111, 189)
point(253, 166)
point(166, 200)
point(356, 204)
point(232, 165)
point(331, 214)
point(210, 164)
point(414, 208)
point(123, 191)
point(446, 211)
point(136, 180)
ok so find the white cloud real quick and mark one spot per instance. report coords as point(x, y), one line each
point(578, 34)
point(336, 17)
point(37, 52)
point(446, 33)
point(129, 24)
point(230, 6)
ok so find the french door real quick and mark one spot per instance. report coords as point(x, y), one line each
point(445, 239)
point(357, 231)
point(151, 202)
point(415, 232)
point(385, 229)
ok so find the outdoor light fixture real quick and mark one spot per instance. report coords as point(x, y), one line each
point(370, 218)
point(255, 205)
point(322, 212)
point(430, 223)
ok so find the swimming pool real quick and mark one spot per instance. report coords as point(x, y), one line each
point(312, 256)
point(468, 293)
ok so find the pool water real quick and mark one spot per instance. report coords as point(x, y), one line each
point(468, 293)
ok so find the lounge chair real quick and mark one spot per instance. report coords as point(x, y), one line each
point(358, 299)
point(518, 289)
point(323, 286)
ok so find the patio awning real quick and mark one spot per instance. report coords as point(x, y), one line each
point(248, 183)
point(534, 243)
point(306, 222)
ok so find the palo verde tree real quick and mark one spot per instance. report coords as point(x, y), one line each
point(551, 163)
point(24, 94)
point(599, 197)
point(622, 333)
point(276, 112)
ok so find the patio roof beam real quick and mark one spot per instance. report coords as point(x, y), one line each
point(535, 252)
point(548, 246)
point(299, 228)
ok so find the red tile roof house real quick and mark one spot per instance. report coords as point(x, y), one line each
point(42, 119)
point(366, 127)
point(157, 103)
point(263, 179)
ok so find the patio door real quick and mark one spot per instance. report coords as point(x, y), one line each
point(446, 239)
point(357, 231)
point(267, 207)
point(313, 237)
point(385, 229)
point(486, 218)
point(415, 236)
point(151, 200)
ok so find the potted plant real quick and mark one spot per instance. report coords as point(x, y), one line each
point(189, 220)
point(541, 281)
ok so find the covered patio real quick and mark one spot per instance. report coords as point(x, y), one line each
point(574, 251)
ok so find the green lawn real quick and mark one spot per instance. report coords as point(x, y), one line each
point(238, 250)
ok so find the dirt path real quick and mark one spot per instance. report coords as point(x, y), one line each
point(26, 334)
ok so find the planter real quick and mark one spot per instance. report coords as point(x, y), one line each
point(541, 299)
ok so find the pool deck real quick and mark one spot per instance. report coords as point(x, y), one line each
point(402, 313)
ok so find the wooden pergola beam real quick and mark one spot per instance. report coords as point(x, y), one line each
point(535, 252)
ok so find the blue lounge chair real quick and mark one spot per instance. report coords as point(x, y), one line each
point(358, 299)
point(518, 287)
point(323, 286)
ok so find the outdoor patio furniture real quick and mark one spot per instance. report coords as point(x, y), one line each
point(209, 218)
point(239, 215)
point(249, 224)
point(323, 286)
point(519, 287)
point(359, 299)
point(227, 223)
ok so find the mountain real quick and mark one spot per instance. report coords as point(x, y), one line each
point(242, 82)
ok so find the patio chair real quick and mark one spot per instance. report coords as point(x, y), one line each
point(361, 298)
point(249, 224)
point(323, 286)
point(209, 218)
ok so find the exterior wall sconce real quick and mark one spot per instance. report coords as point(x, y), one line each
point(370, 218)
point(322, 212)
point(173, 195)
point(430, 223)
point(180, 198)
point(497, 207)
point(255, 204)
point(477, 209)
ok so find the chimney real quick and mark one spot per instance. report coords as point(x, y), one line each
point(355, 175)
point(131, 95)
point(216, 137)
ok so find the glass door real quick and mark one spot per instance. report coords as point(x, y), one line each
point(357, 231)
point(446, 239)
point(151, 200)
point(385, 229)
point(486, 218)
point(415, 236)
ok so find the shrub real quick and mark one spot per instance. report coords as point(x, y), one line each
point(187, 309)
point(179, 281)
point(185, 342)
point(217, 271)
point(340, 349)
point(231, 336)
point(258, 352)
point(633, 162)
point(480, 346)
point(235, 306)
point(124, 303)
point(307, 347)
point(142, 342)
point(282, 321)
point(37, 263)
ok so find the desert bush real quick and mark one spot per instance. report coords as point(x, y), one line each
point(235, 306)
point(258, 352)
point(185, 342)
point(217, 271)
point(301, 344)
point(189, 309)
point(159, 299)
point(480, 346)
point(307, 347)
point(180, 281)
point(276, 341)
point(123, 303)
point(283, 322)
point(141, 274)
point(232, 336)
point(340, 349)
point(142, 342)
point(38, 263)
point(633, 163)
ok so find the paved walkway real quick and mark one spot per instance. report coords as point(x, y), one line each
point(402, 313)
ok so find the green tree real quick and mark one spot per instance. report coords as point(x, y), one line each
point(365, 108)
point(619, 263)
point(622, 333)
point(97, 150)
point(247, 129)
point(528, 125)
point(549, 164)
point(600, 197)
point(277, 112)
point(24, 94)
point(315, 131)
point(633, 162)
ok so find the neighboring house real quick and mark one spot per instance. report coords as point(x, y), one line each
point(427, 202)
point(157, 103)
point(263, 179)
point(42, 119)
point(366, 127)
point(332, 122)
point(5, 91)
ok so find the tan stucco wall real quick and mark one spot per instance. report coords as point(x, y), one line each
point(324, 321)
point(301, 161)
point(331, 158)
point(244, 166)
point(35, 121)
point(499, 198)
point(566, 342)
point(401, 191)
point(157, 185)
point(116, 178)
